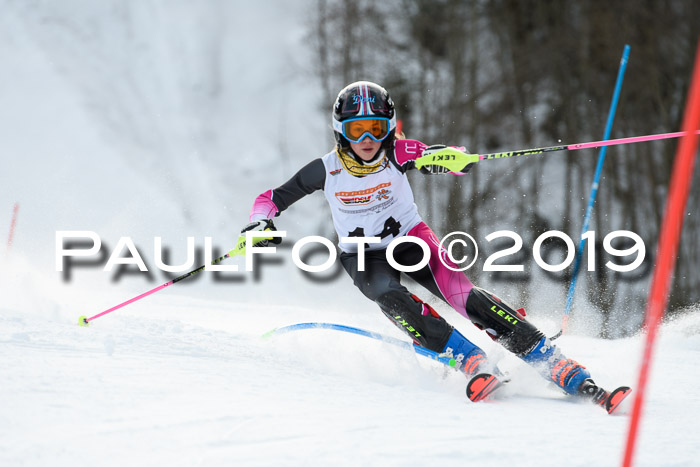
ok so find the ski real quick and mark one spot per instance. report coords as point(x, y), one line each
point(446, 359)
point(612, 402)
point(482, 386)
point(479, 387)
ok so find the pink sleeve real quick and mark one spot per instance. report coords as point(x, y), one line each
point(263, 207)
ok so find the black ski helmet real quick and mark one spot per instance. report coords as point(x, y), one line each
point(363, 99)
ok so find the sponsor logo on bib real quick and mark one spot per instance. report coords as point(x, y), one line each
point(364, 197)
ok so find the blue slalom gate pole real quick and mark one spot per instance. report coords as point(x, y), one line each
point(594, 189)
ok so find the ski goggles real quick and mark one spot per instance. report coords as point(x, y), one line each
point(357, 129)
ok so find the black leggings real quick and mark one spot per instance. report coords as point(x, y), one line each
point(381, 283)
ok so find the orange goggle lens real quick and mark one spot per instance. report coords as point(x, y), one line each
point(356, 130)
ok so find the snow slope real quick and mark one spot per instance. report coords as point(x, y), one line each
point(190, 382)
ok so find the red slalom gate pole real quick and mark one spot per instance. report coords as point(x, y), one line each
point(667, 248)
point(15, 210)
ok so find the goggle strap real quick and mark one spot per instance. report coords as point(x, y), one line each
point(392, 123)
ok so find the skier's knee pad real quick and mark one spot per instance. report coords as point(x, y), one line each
point(502, 322)
point(416, 318)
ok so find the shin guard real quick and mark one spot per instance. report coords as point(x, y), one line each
point(502, 322)
point(416, 318)
point(510, 328)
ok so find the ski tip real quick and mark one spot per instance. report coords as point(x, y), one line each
point(481, 386)
point(82, 321)
point(612, 403)
point(268, 334)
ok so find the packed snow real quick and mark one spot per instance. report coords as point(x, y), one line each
point(189, 381)
point(99, 137)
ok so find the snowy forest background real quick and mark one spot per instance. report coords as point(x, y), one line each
point(507, 74)
point(167, 118)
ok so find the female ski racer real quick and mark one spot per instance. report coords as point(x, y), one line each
point(365, 183)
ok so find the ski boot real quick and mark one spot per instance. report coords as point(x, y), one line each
point(469, 358)
point(573, 377)
point(484, 377)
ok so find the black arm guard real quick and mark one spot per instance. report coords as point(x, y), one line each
point(506, 325)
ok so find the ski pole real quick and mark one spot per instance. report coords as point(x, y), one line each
point(238, 250)
point(594, 191)
point(455, 160)
point(594, 144)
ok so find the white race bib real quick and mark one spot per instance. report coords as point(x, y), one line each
point(377, 205)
